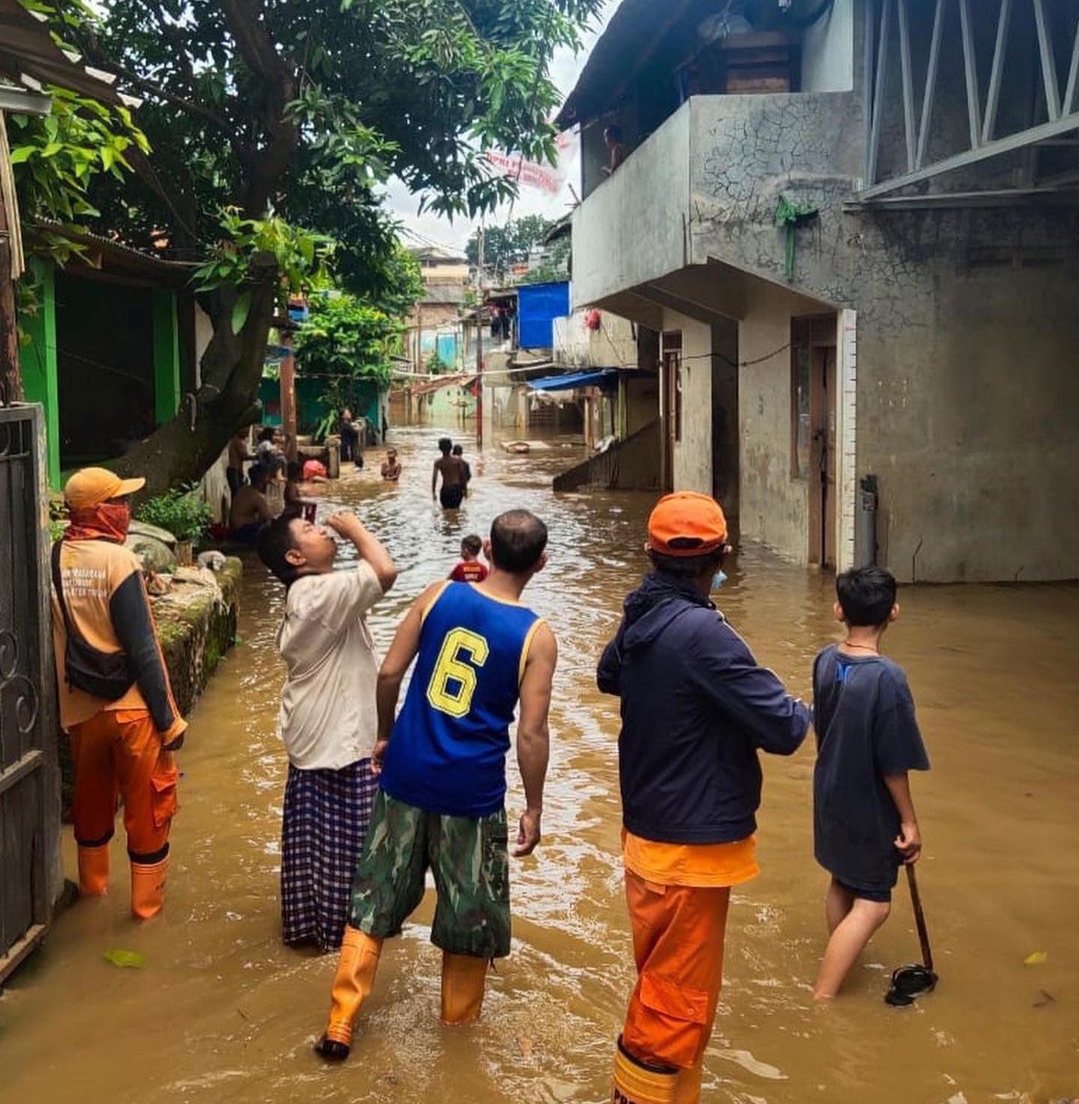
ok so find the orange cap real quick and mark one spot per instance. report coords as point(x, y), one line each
point(92, 486)
point(686, 524)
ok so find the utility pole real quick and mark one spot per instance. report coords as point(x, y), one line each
point(479, 341)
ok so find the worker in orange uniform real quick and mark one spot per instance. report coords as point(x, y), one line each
point(696, 709)
point(115, 698)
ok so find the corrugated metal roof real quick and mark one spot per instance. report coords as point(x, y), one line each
point(29, 55)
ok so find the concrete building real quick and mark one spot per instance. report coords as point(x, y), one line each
point(434, 328)
point(852, 225)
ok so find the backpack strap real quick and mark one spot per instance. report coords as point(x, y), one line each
point(58, 584)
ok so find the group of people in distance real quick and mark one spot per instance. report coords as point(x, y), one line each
point(376, 797)
point(696, 711)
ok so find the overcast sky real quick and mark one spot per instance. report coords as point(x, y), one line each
point(565, 68)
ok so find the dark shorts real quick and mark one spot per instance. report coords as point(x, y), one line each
point(881, 896)
point(451, 496)
point(469, 859)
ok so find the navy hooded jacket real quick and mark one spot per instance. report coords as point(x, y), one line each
point(696, 708)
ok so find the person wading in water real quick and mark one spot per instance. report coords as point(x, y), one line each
point(441, 805)
point(696, 709)
point(454, 474)
point(114, 693)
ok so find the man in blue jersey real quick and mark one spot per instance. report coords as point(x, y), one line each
point(478, 651)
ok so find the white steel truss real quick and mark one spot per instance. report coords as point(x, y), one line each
point(890, 21)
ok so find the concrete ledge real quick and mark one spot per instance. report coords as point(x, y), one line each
point(196, 622)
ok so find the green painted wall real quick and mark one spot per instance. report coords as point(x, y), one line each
point(37, 361)
point(166, 355)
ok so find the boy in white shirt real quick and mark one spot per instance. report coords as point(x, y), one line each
point(328, 718)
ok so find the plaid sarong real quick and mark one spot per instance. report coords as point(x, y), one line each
point(325, 821)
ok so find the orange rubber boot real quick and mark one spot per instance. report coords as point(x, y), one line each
point(94, 871)
point(352, 985)
point(148, 888)
point(463, 980)
point(687, 1090)
point(636, 1082)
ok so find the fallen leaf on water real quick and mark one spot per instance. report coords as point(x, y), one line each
point(130, 960)
point(1045, 999)
point(1038, 958)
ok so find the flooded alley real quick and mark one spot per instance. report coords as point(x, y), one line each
point(222, 1011)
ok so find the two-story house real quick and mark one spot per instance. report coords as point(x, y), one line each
point(853, 225)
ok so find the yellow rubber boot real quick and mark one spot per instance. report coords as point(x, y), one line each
point(148, 888)
point(636, 1082)
point(352, 985)
point(94, 870)
point(688, 1088)
point(463, 980)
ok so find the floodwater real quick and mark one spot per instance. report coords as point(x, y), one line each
point(221, 1011)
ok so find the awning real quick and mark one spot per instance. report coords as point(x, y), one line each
point(594, 378)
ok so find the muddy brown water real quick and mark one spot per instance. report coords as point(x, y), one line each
point(221, 1011)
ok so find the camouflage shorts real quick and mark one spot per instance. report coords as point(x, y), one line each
point(469, 859)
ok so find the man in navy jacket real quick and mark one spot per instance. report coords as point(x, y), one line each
point(696, 710)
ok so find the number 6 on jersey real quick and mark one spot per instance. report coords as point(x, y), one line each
point(451, 667)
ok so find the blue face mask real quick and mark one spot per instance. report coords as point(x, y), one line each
point(718, 579)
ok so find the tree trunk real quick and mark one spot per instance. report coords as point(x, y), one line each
point(185, 448)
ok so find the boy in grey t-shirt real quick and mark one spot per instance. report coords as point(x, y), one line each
point(864, 824)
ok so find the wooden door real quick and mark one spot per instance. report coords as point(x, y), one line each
point(822, 507)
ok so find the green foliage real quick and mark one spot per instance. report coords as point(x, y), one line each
point(344, 336)
point(436, 365)
point(505, 246)
point(298, 255)
point(309, 105)
point(56, 156)
point(553, 267)
point(181, 511)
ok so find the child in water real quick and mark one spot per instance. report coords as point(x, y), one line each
point(470, 570)
point(391, 466)
point(295, 503)
point(864, 824)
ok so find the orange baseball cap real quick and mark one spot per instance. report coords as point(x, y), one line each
point(92, 486)
point(687, 524)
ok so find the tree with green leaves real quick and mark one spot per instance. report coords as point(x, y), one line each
point(293, 112)
point(505, 246)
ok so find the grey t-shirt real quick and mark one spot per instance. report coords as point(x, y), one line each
point(866, 729)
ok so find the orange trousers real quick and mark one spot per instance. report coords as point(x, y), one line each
point(119, 754)
point(678, 935)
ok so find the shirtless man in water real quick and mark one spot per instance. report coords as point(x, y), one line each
point(452, 469)
point(250, 507)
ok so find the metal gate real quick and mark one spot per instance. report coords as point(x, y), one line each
point(29, 786)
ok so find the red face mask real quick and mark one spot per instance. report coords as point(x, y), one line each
point(105, 521)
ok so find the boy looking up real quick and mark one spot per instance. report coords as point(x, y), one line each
point(470, 570)
point(328, 718)
point(864, 825)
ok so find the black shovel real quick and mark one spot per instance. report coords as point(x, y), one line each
point(909, 982)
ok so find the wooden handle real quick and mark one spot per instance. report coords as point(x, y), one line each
point(919, 918)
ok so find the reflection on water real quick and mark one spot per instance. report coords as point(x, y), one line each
point(222, 1012)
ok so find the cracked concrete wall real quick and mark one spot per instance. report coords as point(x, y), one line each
point(965, 368)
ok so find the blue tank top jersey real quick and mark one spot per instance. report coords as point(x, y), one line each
point(447, 753)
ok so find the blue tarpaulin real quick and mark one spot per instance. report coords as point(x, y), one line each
point(594, 378)
point(538, 305)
